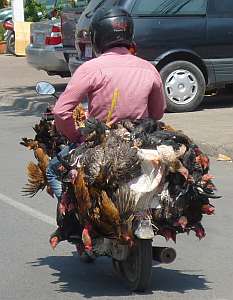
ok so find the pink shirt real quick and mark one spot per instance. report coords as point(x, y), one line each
point(138, 82)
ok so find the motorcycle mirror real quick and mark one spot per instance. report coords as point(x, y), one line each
point(45, 88)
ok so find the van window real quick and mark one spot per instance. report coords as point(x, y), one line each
point(95, 4)
point(170, 7)
point(71, 3)
point(224, 6)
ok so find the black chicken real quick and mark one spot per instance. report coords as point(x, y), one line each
point(111, 163)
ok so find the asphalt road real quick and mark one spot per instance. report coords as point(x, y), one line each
point(31, 270)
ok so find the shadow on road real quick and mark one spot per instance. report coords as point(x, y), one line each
point(223, 99)
point(24, 101)
point(99, 279)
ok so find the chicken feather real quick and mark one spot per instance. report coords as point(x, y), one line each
point(36, 173)
point(82, 194)
point(36, 180)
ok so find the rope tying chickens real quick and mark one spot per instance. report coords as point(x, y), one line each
point(132, 166)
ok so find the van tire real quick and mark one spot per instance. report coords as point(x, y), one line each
point(184, 86)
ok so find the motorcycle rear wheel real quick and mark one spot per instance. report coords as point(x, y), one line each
point(117, 267)
point(137, 267)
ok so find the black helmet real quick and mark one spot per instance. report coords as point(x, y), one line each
point(111, 28)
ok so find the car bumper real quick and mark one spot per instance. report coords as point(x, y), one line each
point(50, 59)
point(75, 62)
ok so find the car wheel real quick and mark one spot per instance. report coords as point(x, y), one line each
point(184, 86)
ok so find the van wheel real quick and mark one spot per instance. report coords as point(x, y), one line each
point(184, 86)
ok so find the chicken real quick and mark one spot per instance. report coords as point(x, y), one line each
point(101, 168)
point(100, 213)
point(113, 217)
point(39, 153)
point(109, 212)
point(208, 209)
point(200, 231)
point(82, 194)
point(36, 180)
point(186, 198)
point(168, 233)
point(106, 216)
point(203, 161)
point(79, 116)
point(111, 163)
point(170, 157)
point(47, 137)
point(36, 173)
point(143, 126)
point(124, 200)
point(44, 136)
point(94, 131)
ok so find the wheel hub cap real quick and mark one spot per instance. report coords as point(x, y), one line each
point(181, 86)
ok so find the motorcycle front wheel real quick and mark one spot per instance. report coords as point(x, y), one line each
point(136, 269)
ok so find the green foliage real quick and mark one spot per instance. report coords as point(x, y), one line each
point(2, 30)
point(2, 3)
point(34, 11)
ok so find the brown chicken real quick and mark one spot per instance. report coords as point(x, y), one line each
point(105, 216)
point(79, 116)
point(94, 206)
point(36, 173)
point(82, 193)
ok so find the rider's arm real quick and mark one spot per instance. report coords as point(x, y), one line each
point(77, 88)
point(156, 101)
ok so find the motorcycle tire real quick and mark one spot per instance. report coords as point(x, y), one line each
point(10, 43)
point(137, 267)
point(117, 268)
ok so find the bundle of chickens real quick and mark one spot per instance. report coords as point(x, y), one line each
point(132, 169)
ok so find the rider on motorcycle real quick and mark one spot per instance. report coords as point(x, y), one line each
point(139, 85)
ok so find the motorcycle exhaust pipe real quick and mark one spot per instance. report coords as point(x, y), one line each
point(164, 255)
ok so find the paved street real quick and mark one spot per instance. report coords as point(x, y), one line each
point(31, 270)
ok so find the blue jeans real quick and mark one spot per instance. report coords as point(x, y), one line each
point(53, 173)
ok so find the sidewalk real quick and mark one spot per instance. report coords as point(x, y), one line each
point(211, 127)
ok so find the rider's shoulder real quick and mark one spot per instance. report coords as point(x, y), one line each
point(145, 63)
point(90, 64)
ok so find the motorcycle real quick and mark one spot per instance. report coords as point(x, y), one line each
point(125, 184)
point(9, 36)
point(132, 261)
